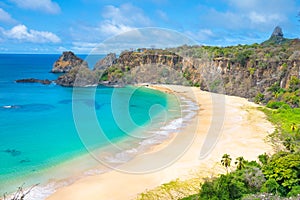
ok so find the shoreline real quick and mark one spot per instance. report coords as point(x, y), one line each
point(243, 133)
point(86, 164)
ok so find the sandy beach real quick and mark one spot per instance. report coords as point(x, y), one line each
point(223, 124)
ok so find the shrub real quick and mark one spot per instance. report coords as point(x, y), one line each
point(270, 186)
point(277, 104)
point(259, 98)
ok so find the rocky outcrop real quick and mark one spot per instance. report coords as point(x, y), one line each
point(277, 32)
point(34, 80)
point(78, 77)
point(109, 60)
point(67, 61)
point(276, 37)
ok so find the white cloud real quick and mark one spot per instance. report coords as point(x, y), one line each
point(21, 33)
point(259, 15)
point(202, 36)
point(6, 17)
point(260, 18)
point(47, 6)
point(108, 27)
point(121, 19)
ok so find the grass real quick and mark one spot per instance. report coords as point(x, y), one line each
point(176, 189)
point(287, 122)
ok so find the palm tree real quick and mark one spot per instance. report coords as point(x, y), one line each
point(293, 127)
point(226, 160)
point(240, 163)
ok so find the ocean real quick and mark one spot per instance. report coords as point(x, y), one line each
point(45, 129)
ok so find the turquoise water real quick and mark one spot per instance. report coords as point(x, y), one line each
point(45, 126)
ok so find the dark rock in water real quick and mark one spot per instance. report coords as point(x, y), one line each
point(13, 152)
point(34, 80)
point(107, 61)
point(67, 61)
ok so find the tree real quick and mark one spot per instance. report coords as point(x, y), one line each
point(240, 163)
point(226, 161)
point(284, 168)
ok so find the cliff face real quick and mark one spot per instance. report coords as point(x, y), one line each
point(162, 57)
point(225, 76)
point(248, 71)
point(67, 61)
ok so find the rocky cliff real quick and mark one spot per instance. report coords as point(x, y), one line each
point(242, 70)
point(67, 61)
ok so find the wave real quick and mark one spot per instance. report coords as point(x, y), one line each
point(160, 135)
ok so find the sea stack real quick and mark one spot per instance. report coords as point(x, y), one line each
point(67, 61)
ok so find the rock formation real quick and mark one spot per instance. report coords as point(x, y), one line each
point(276, 37)
point(78, 77)
point(277, 32)
point(67, 61)
point(107, 61)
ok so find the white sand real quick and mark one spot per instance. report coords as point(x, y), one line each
point(243, 130)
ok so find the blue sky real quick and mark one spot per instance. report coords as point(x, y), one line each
point(53, 26)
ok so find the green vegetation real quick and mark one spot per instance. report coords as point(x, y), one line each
point(278, 175)
point(176, 189)
point(282, 97)
point(259, 98)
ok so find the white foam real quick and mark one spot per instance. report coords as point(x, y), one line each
point(93, 172)
point(41, 192)
point(7, 107)
point(158, 136)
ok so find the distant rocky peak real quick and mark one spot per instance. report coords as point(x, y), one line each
point(276, 38)
point(277, 32)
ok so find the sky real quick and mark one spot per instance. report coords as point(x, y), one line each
point(53, 26)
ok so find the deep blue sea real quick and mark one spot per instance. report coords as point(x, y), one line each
point(45, 128)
